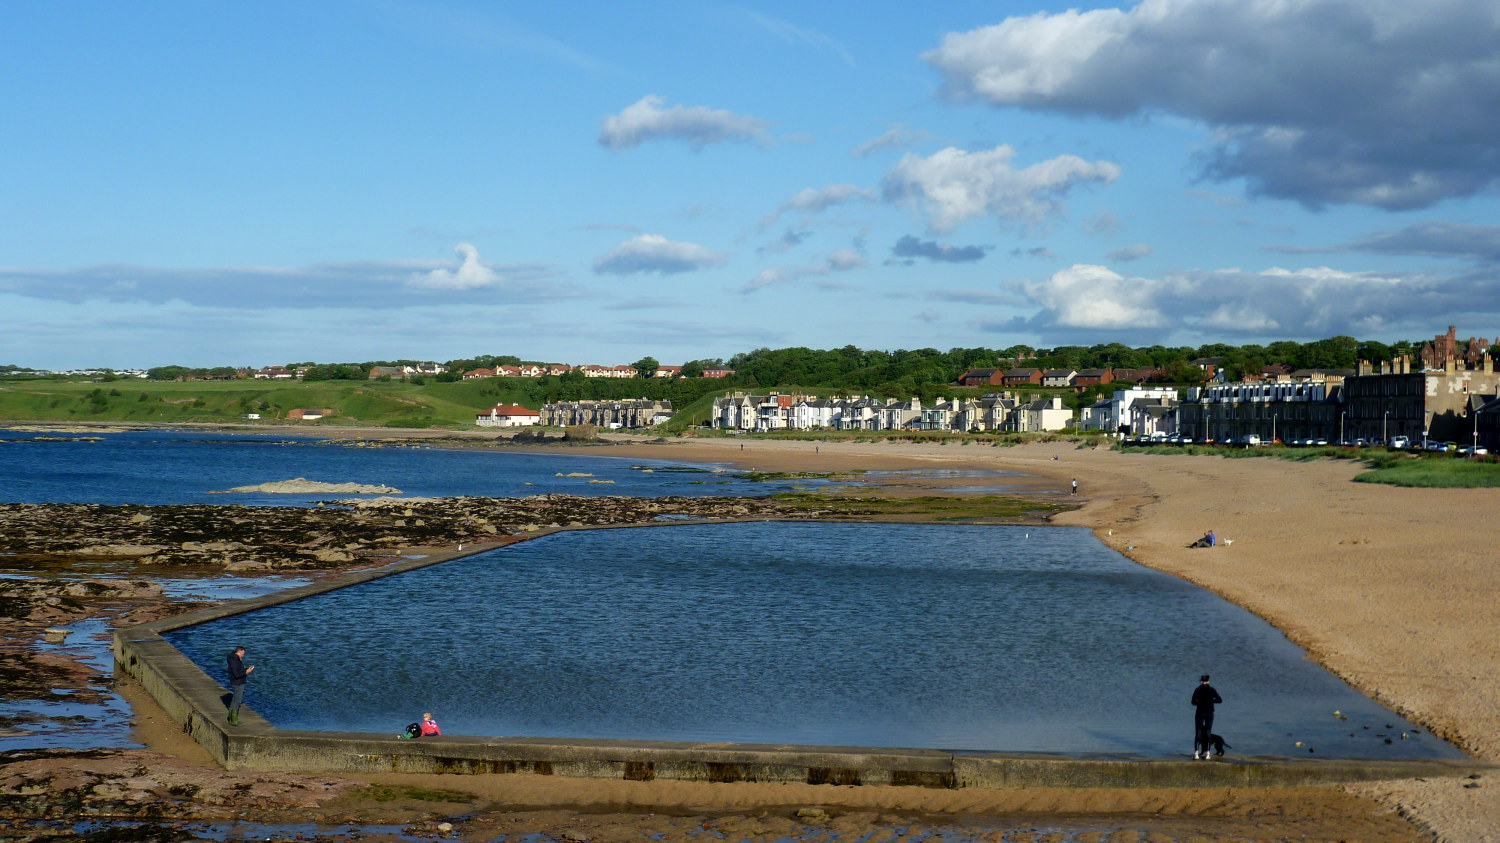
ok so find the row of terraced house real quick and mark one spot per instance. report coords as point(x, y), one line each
point(1000, 411)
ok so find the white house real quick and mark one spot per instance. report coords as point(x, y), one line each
point(508, 415)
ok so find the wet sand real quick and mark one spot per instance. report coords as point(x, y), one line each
point(1392, 589)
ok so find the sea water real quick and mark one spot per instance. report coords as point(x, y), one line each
point(175, 467)
point(882, 635)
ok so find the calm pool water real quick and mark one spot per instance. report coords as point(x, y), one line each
point(954, 637)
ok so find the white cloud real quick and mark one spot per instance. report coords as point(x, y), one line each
point(470, 275)
point(654, 253)
point(1094, 297)
point(953, 186)
point(1271, 303)
point(1380, 102)
point(697, 126)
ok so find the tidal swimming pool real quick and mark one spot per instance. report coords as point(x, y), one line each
point(895, 635)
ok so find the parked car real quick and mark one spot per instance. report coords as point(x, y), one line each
point(1474, 450)
point(1400, 442)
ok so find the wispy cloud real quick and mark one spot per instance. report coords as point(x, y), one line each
point(814, 200)
point(1131, 253)
point(840, 260)
point(1434, 239)
point(696, 126)
point(896, 137)
point(790, 33)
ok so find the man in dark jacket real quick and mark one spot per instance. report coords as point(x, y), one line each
point(1204, 700)
point(238, 673)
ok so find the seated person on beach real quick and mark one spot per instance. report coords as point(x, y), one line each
point(429, 726)
point(1208, 540)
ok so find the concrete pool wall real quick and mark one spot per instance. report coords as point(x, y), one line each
point(196, 702)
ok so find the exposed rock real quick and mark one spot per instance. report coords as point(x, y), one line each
point(303, 486)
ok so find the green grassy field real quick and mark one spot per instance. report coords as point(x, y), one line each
point(367, 403)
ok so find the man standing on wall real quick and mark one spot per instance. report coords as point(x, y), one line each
point(1204, 700)
point(238, 673)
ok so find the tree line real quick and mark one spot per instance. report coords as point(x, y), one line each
point(925, 372)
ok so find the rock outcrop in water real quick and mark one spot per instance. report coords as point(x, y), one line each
point(303, 486)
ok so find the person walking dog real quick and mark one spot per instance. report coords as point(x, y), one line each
point(1204, 700)
point(238, 674)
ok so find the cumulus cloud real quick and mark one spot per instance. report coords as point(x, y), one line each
point(655, 253)
point(1378, 102)
point(697, 126)
point(370, 284)
point(1275, 302)
point(909, 247)
point(840, 260)
point(814, 200)
point(896, 137)
point(952, 186)
point(471, 274)
point(1131, 253)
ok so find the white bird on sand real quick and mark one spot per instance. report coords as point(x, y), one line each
point(1228, 542)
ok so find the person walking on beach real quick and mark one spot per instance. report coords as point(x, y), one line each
point(238, 674)
point(1075, 486)
point(1204, 700)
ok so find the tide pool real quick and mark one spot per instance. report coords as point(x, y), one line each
point(894, 635)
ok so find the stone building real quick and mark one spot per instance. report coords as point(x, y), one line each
point(639, 412)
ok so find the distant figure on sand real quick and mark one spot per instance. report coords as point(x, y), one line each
point(1075, 486)
point(238, 675)
point(1204, 700)
point(1208, 540)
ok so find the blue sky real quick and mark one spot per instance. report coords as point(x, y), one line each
point(249, 184)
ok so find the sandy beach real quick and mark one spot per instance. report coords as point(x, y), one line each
point(1389, 588)
point(1392, 589)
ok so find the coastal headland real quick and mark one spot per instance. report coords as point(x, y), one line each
point(1390, 588)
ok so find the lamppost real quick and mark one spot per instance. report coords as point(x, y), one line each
point(1385, 419)
point(1342, 413)
point(1273, 427)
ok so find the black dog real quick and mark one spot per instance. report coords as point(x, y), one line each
point(1217, 744)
